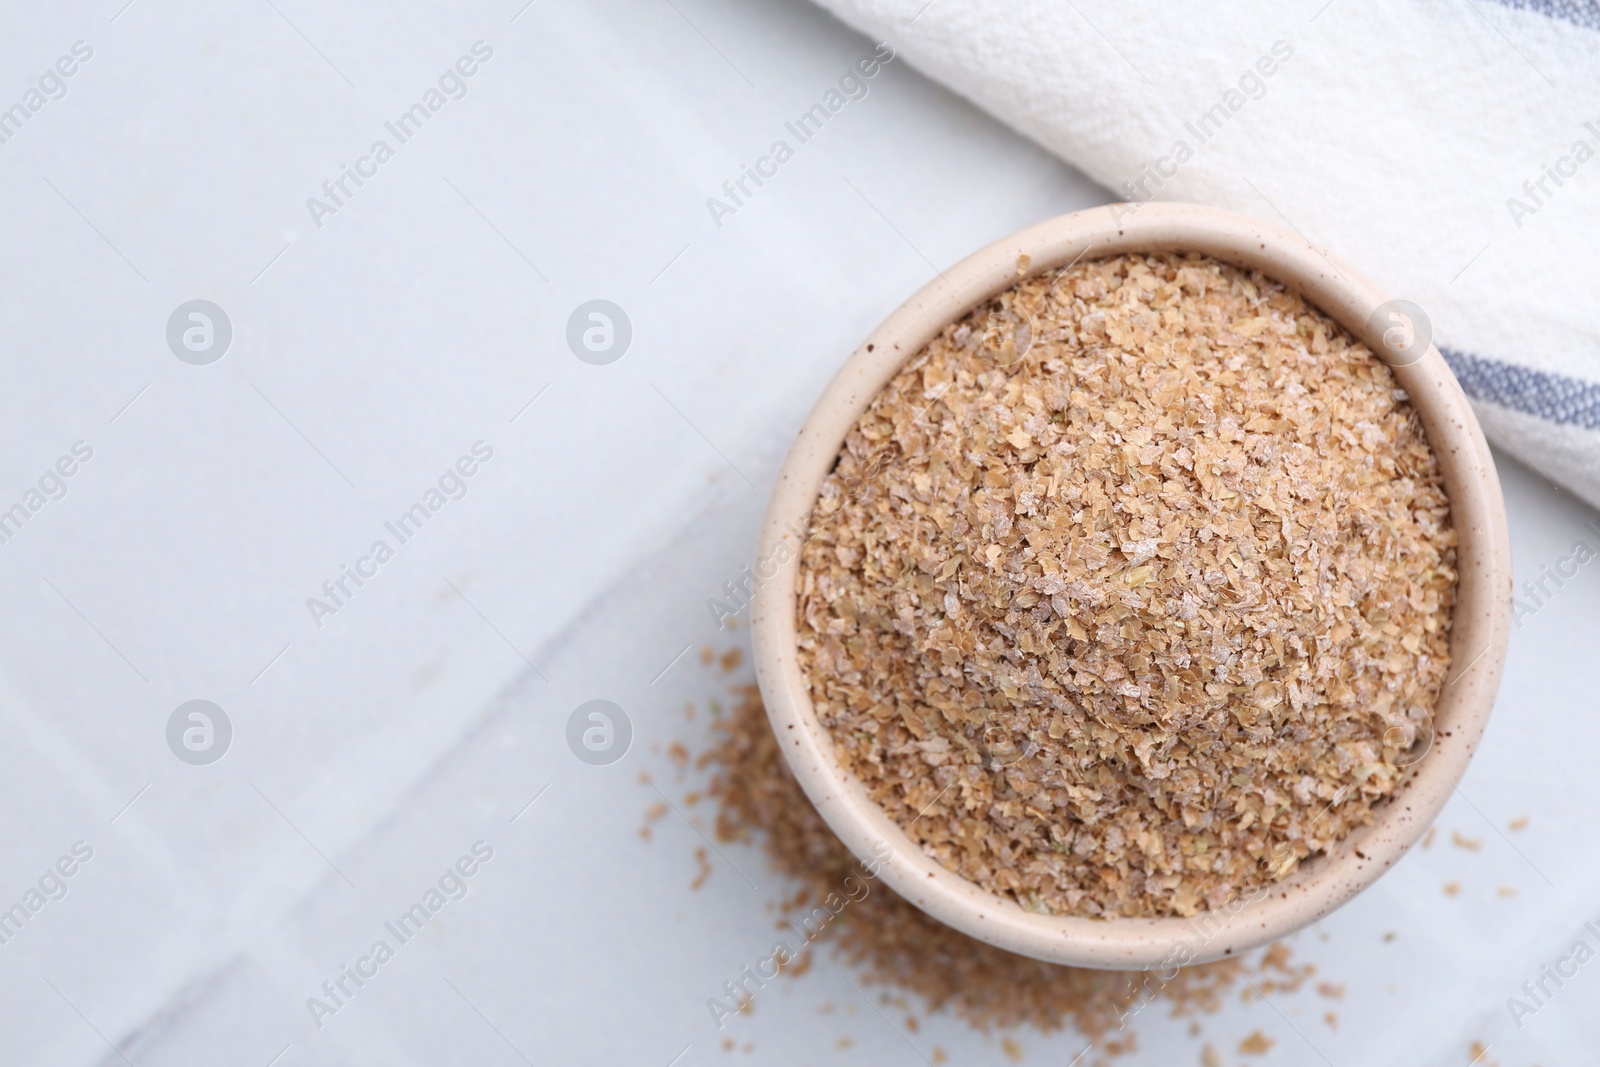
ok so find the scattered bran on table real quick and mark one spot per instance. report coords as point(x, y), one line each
point(891, 944)
point(1131, 590)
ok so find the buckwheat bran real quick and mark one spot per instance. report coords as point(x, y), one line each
point(1132, 589)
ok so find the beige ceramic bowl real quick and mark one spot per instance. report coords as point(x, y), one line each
point(1478, 636)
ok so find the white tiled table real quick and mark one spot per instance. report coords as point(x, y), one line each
point(371, 352)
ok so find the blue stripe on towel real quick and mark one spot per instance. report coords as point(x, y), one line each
point(1579, 12)
point(1553, 397)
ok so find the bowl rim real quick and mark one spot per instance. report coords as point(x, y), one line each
point(1480, 627)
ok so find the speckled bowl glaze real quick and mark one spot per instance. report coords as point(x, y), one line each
point(1480, 628)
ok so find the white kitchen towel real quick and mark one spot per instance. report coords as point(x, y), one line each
point(1448, 149)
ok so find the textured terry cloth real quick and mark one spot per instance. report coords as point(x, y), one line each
point(1449, 150)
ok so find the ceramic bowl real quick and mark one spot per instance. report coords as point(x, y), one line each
point(1478, 636)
